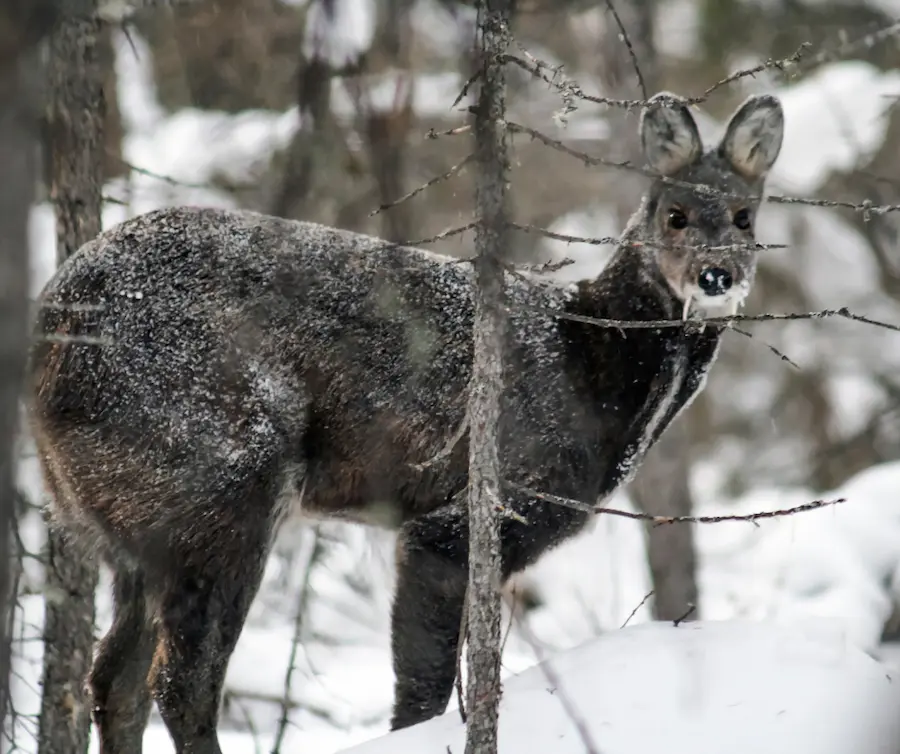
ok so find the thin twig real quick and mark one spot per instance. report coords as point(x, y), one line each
point(627, 40)
point(655, 324)
point(664, 520)
point(448, 448)
point(440, 236)
point(558, 690)
point(432, 134)
point(780, 354)
point(549, 266)
point(84, 340)
point(511, 604)
point(569, 89)
point(463, 629)
point(69, 307)
point(613, 241)
point(465, 88)
point(866, 207)
point(781, 64)
point(302, 601)
point(865, 42)
point(687, 614)
point(160, 177)
point(637, 607)
point(428, 184)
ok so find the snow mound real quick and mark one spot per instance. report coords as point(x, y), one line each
point(702, 688)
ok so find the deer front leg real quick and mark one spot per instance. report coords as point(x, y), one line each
point(432, 575)
point(432, 572)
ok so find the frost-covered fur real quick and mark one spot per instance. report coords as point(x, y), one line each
point(249, 365)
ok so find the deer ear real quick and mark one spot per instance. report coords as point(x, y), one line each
point(753, 138)
point(669, 134)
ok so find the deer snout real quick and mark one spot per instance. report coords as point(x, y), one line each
point(715, 281)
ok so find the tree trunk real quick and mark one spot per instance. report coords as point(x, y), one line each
point(484, 601)
point(387, 131)
point(22, 24)
point(76, 117)
point(661, 484)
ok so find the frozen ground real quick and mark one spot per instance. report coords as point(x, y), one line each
point(838, 565)
point(833, 572)
point(657, 688)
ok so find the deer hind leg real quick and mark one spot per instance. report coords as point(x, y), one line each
point(118, 678)
point(200, 619)
point(432, 573)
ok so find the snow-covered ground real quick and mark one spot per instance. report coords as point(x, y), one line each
point(737, 686)
point(838, 565)
point(833, 571)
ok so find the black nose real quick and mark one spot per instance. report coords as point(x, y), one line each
point(714, 281)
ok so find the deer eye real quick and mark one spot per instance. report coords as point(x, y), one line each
point(677, 219)
point(742, 219)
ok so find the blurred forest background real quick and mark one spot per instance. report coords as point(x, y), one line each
point(325, 110)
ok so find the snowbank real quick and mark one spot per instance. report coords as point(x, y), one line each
point(701, 688)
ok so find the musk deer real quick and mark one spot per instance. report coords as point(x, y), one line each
point(251, 365)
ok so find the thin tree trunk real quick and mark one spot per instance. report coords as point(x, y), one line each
point(17, 156)
point(484, 601)
point(661, 485)
point(76, 117)
point(387, 131)
point(22, 24)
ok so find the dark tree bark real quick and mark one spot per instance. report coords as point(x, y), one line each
point(76, 116)
point(661, 485)
point(22, 24)
point(387, 131)
point(484, 600)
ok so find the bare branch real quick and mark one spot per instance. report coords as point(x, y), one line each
point(656, 324)
point(444, 452)
point(866, 207)
point(559, 690)
point(631, 53)
point(613, 241)
point(161, 177)
point(781, 64)
point(844, 49)
point(781, 355)
point(637, 607)
point(432, 134)
point(70, 307)
point(85, 340)
point(463, 630)
point(449, 233)
point(569, 89)
point(664, 520)
point(301, 605)
point(691, 608)
point(437, 179)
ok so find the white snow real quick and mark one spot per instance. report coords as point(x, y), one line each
point(704, 688)
point(836, 566)
point(833, 119)
point(339, 31)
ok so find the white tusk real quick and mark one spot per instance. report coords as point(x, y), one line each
point(687, 308)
